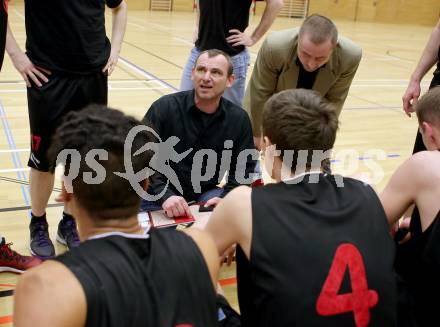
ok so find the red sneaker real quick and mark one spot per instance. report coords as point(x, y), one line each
point(257, 183)
point(13, 261)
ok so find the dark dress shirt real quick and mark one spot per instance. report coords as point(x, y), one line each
point(177, 115)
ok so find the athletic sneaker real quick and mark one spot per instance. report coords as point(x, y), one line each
point(41, 245)
point(67, 233)
point(13, 261)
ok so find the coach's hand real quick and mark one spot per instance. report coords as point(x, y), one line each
point(111, 63)
point(239, 38)
point(213, 201)
point(228, 256)
point(176, 206)
point(28, 70)
point(410, 97)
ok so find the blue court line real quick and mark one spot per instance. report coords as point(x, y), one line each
point(152, 75)
point(21, 175)
point(391, 155)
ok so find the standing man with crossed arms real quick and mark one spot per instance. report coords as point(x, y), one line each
point(66, 65)
point(221, 25)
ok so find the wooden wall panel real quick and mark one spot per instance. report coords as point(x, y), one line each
point(138, 4)
point(366, 10)
point(183, 5)
point(260, 6)
point(341, 9)
point(421, 12)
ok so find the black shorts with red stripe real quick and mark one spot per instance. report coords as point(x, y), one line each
point(49, 103)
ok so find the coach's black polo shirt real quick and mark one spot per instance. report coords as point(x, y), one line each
point(68, 36)
point(177, 115)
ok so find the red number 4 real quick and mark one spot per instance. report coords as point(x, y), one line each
point(360, 300)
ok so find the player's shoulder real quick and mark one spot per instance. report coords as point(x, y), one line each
point(424, 163)
point(281, 43)
point(349, 50)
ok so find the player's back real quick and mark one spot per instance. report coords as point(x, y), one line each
point(157, 279)
point(321, 255)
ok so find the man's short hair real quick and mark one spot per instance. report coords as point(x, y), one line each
point(214, 53)
point(319, 29)
point(300, 120)
point(428, 107)
point(99, 127)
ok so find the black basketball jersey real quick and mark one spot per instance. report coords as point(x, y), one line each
point(436, 78)
point(160, 280)
point(321, 255)
point(418, 263)
point(3, 28)
point(217, 18)
point(68, 36)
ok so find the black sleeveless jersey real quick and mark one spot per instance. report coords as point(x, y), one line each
point(436, 78)
point(68, 36)
point(217, 18)
point(3, 28)
point(321, 255)
point(132, 280)
point(418, 263)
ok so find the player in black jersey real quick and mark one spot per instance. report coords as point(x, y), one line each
point(313, 249)
point(66, 66)
point(120, 275)
point(9, 259)
point(417, 181)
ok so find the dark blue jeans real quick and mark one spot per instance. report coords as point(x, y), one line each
point(154, 205)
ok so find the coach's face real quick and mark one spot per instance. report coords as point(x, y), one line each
point(311, 55)
point(210, 77)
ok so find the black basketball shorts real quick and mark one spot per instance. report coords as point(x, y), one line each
point(49, 103)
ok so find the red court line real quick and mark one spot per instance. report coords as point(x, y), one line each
point(5, 320)
point(7, 285)
point(228, 281)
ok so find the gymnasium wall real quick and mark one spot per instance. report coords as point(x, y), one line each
point(138, 4)
point(178, 5)
point(423, 12)
point(183, 5)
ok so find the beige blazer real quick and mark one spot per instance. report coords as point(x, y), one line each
point(276, 70)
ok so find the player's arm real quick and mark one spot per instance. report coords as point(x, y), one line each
point(339, 91)
point(231, 221)
point(119, 23)
point(49, 295)
point(207, 246)
point(196, 29)
point(271, 11)
point(401, 190)
point(22, 63)
point(427, 60)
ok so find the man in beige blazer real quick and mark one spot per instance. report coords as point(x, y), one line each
point(310, 57)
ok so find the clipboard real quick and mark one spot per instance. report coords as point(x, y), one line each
point(159, 219)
